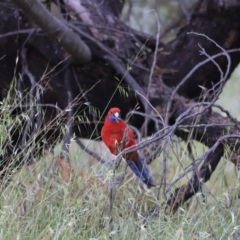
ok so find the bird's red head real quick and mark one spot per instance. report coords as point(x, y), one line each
point(114, 114)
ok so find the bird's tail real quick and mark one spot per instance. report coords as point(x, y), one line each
point(141, 171)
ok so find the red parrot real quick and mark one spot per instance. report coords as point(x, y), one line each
point(113, 132)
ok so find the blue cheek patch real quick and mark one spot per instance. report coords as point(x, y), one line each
point(112, 118)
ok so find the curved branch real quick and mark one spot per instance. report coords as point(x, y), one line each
point(79, 51)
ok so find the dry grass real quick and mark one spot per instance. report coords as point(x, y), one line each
point(53, 200)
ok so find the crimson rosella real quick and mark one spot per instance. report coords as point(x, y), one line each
point(113, 132)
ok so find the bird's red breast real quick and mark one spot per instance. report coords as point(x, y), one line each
point(113, 133)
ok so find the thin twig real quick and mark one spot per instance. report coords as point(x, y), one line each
point(147, 108)
point(91, 153)
point(70, 112)
point(226, 53)
point(185, 11)
point(25, 31)
point(199, 160)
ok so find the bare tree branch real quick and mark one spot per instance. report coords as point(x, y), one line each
point(79, 51)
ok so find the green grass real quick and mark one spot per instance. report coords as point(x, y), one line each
point(39, 204)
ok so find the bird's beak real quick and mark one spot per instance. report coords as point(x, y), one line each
point(117, 116)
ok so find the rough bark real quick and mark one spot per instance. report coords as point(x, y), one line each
point(56, 29)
